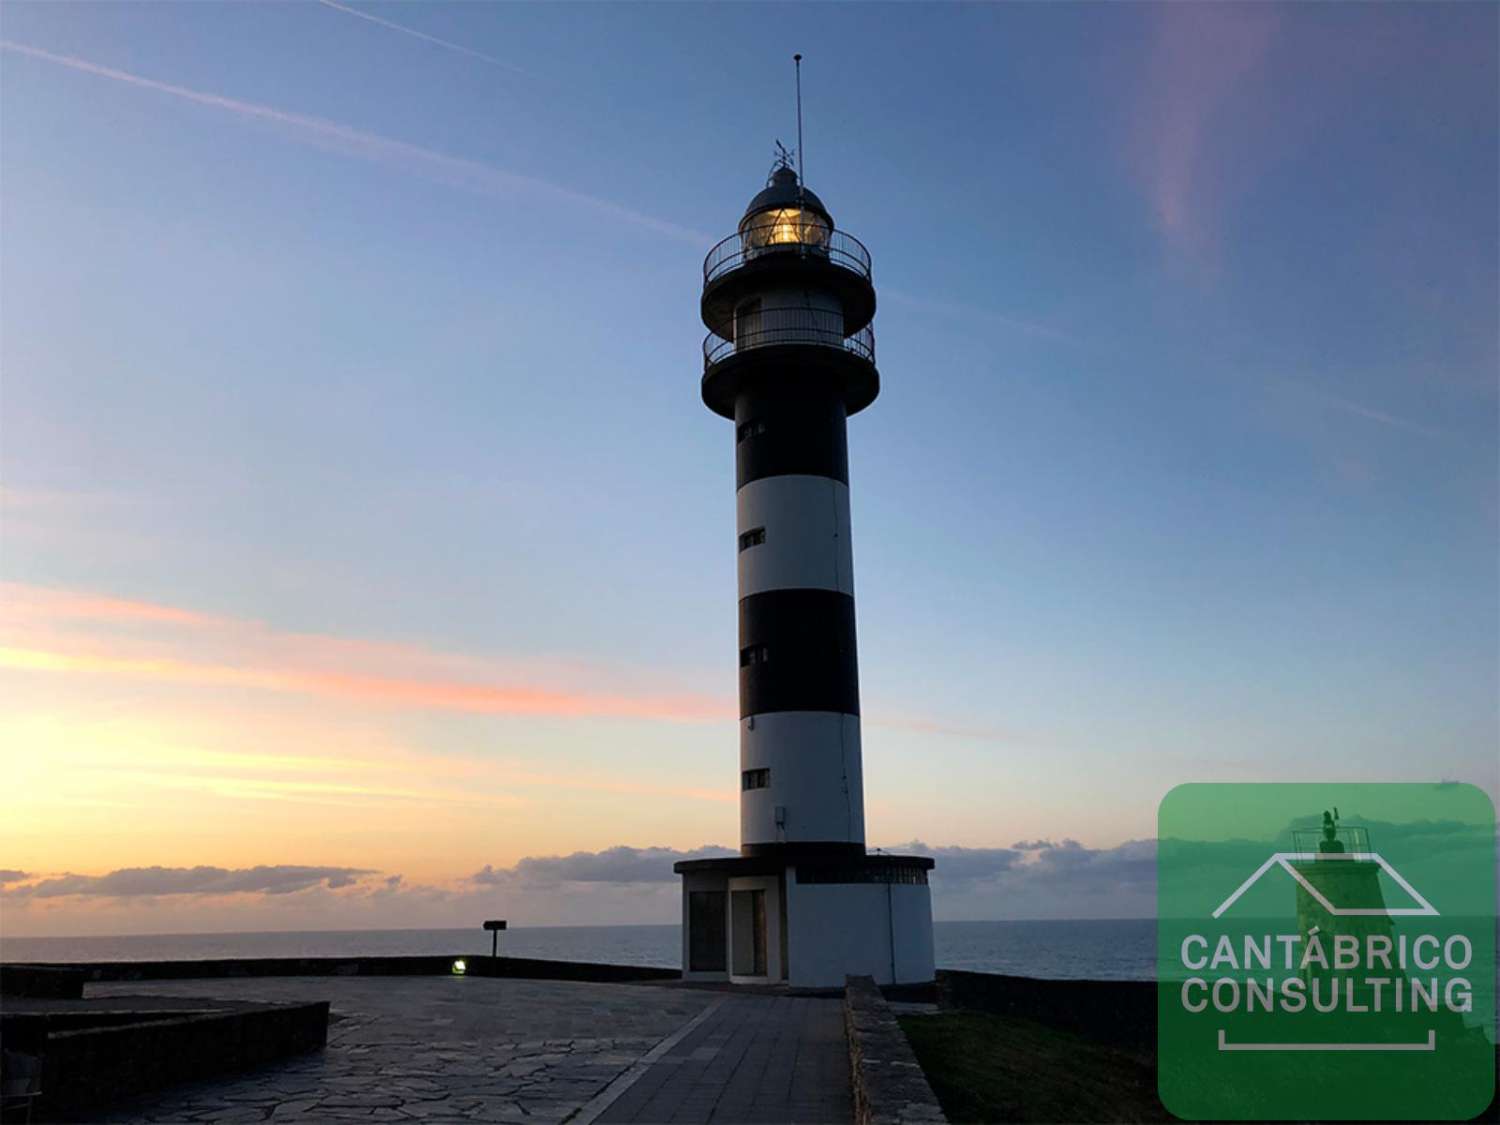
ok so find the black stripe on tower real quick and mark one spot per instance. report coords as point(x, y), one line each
point(788, 428)
point(797, 652)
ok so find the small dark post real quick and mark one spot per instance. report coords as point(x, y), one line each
point(495, 925)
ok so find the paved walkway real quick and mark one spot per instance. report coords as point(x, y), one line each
point(753, 1059)
point(465, 1049)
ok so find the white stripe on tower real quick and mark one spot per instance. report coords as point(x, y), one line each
point(805, 524)
point(814, 755)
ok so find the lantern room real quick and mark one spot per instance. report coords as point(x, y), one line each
point(785, 214)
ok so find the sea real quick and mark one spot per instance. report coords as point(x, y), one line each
point(1114, 949)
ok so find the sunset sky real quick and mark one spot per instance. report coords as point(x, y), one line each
point(367, 547)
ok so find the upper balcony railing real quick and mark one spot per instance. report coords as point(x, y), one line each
point(789, 325)
point(761, 241)
point(1347, 841)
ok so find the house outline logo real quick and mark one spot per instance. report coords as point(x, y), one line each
point(1285, 859)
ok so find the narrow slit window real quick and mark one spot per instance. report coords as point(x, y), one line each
point(755, 654)
point(752, 538)
point(751, 429)
point(755, 779)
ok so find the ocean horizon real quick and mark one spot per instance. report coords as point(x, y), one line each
point(1093, 949)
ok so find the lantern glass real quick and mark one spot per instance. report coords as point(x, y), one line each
point(784, 226)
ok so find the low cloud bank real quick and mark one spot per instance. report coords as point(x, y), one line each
point(134, 882)
point(1029, 879)
point(613, 886)
point(612, 865)
point(1041, 879)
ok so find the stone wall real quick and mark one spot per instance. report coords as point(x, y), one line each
point(41, 982)
point(889, 1086)
point(479, 966)
point(89, 1068)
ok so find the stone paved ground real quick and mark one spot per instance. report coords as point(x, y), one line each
point(431, 1049)
point(754, 1059)
point(464, 1049)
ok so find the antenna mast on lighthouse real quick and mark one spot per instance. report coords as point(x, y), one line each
point(801, 165)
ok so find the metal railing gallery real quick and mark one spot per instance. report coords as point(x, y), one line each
point(789, 325)
point(753, 242)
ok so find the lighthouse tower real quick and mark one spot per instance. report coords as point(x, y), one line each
point(788, 301)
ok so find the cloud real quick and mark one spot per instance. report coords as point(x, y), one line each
point(960, 311)
point(1042, 879)
point(66, 632)
point(616, 885)
point(616, 865)
point(1369, 413)
point(454, 171)
point(9, 875)
point(1032, 879)
point(44, 602)
point(422, 35)
point(1202, 57)
point(955, 864)
point(421, 694)
point(921, 725)
point(133, 882)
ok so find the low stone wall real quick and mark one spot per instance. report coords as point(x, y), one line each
point(41, 982)
point(479, 966)
point(1122, 1012)
point(889, 1086)
point(88, 1069)
point(535, 968)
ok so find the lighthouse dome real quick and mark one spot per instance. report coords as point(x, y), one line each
point(785, 212)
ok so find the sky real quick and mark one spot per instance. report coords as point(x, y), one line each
point(368, 554)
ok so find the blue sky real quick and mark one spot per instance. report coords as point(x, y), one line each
point(335, 335)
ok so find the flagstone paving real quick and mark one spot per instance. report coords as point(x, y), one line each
point(464, 1049)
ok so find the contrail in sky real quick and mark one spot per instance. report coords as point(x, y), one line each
point(424, 36)
point(454, 170)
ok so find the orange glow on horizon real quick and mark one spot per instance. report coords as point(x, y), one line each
point(140, 734)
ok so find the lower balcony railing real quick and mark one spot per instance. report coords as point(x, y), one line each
point(774, 326)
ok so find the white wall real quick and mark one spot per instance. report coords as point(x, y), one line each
point(838, 929)
point(814, 759)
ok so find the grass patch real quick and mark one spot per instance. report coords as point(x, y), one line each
point(987, 1068)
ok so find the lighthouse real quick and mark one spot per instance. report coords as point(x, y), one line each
point(788, 301)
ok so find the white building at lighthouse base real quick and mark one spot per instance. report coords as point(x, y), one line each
point(807, 922)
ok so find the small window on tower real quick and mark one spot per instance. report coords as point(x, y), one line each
point(755, 779)
point(752, 538)
point(755, 654)
point(751, 428)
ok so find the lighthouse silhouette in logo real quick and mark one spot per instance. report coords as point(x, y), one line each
point(788, 301)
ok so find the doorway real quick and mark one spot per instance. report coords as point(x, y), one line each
point(748, 915)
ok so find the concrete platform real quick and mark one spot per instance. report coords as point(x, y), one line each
point(483, 1049)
